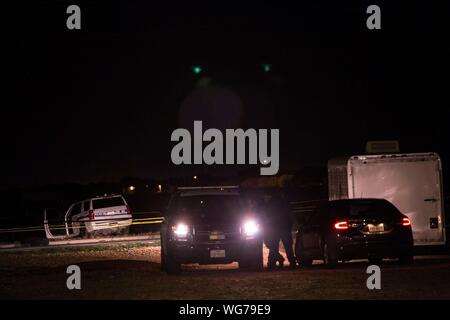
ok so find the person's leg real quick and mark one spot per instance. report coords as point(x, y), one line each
point(279, 258)
point(272, 244)
point(272, 259)
point(288, 247)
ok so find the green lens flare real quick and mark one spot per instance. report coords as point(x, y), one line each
point(197, 69)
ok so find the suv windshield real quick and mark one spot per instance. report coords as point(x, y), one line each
point(107, 202)
point(364, 209)
point(209, 208)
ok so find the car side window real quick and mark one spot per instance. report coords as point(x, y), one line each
point(86, 205)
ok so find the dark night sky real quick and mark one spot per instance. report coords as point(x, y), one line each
point(101, 103)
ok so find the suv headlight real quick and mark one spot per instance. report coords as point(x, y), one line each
point(180, 230)
point(250, 228)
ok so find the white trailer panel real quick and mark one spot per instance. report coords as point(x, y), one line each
point(412, 182)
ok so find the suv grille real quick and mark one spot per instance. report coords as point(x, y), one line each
point(215, 234)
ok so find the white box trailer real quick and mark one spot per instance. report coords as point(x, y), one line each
point(412, 182)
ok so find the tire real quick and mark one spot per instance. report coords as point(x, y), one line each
point(302, 259)
point(252, 260)
point(82, 227)
point(163, 260)
point(121, 231)
point(243, 265)
point(256, 262)
point(125, 230)
point(330, 254)
point(169, 264)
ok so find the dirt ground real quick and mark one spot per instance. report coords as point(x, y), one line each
point(133, 272)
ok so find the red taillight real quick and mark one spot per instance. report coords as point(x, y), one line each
point(406, 222)
point(91, 215)
point(128, 210)
point(341, 225)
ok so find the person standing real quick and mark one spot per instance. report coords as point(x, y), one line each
point(285, 228)
point(278, 227)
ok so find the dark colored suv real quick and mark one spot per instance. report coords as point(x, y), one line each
point(210, 225)
point(355, 229)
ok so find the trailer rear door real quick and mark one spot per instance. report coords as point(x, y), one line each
point(412, 184)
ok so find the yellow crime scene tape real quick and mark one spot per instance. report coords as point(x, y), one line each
point(139, 221)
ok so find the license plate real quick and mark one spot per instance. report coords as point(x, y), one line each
point(217, 253)
point(216, 236)
point(376, 228)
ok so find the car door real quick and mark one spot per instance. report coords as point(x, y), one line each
point(311, 233)
point(86, 208)
point(69, 215)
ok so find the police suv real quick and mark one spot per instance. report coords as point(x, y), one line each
point(210, 225)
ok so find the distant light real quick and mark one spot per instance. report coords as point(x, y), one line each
point(265, 161)
point(267, 67)
point(131, 188)
point(197, 69)
point(195, 177)
point(159, 188)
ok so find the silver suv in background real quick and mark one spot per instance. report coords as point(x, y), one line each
point(109, 214)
